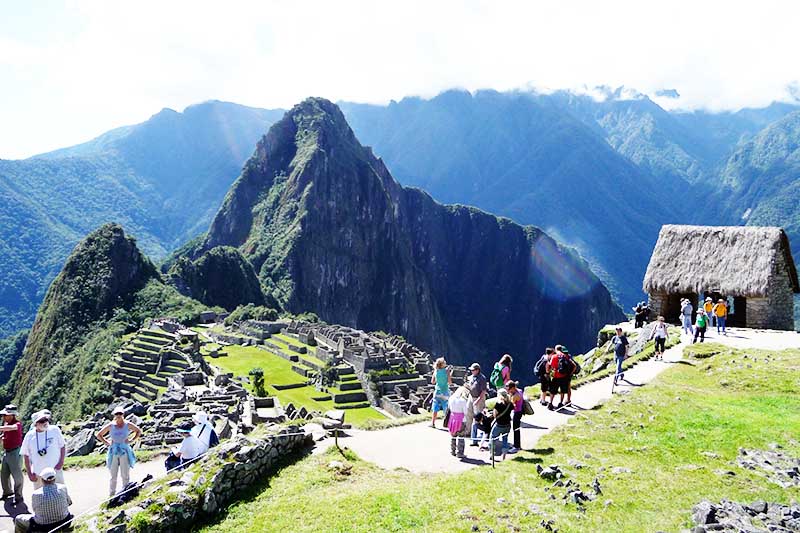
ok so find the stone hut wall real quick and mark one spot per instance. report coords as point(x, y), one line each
point(780, 296)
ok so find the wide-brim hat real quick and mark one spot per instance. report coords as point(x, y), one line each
point(40, 415)
point(200, 417)
point(119, 410)
point(10, 410)
point(708, 299)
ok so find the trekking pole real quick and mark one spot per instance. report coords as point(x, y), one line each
point(491, 443)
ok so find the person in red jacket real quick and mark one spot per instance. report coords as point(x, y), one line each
point(12, 434)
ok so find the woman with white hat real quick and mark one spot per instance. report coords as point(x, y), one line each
point(120, 457)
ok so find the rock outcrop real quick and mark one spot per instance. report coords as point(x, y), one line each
point(328, 230)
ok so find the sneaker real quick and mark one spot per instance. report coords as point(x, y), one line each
point(473, 443)
point(513, 449)
point(461, 456)
point(550, 406)
point(568, 404)
point(559, 406)
point(6, 496)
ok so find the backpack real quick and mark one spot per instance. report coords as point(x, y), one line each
point(496, 377)
point(565, 365)
point(541, 365)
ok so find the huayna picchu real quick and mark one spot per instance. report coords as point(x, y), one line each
point(328, 230)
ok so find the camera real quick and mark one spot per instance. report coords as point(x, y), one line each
point(42, 453)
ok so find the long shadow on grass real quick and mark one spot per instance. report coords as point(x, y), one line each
point(531, 460)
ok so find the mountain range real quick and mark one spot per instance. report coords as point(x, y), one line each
point(600, 175)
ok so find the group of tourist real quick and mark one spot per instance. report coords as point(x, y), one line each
point(467, 416)
point(708, 314)
point(42, 451)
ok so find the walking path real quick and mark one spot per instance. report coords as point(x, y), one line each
point(88, 487)
point(420, 448)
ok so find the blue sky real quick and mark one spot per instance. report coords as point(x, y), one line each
point(72, 70)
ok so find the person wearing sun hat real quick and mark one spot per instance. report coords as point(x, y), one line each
point(42, 447)
point(12, 436)
point(50, 504)
point(191, 447)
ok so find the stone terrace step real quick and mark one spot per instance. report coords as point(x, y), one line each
point(350, 385)
point(155, 338)
point(157, 333)
point(155, 380)
point(348, 377)
point(127, 388)
point(132, 372)
point(349, 397)
point(130, 356)
point(148, 368)
point(138, 343)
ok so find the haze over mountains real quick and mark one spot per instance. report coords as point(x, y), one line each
point(598, 175)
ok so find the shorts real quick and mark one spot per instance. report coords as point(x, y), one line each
point(559, 385)
point(545, 382)
point(438, 404)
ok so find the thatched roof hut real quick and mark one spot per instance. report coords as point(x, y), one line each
point(753, 265)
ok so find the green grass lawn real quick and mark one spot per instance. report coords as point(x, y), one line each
point(241, 359)
point(659, 432)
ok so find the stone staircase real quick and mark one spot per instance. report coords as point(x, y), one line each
point(141, 367)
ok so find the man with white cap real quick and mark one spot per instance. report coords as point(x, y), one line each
point(50, 504)
point(12, 434)
point(43, 447)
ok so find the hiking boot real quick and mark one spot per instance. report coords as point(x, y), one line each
point(473, 443)
point(559, 406)
point(513, 449)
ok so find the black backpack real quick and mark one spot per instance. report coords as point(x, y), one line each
point(541, 365)
point(565, 365)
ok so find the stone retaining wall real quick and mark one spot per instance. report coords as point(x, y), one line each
point(216, 481)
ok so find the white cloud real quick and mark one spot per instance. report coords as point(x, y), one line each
point(106, 64)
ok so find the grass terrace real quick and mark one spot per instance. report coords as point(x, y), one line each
point(656, 452)
point(241, 359)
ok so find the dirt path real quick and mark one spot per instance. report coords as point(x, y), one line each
point(420, 448)
point(87, 488)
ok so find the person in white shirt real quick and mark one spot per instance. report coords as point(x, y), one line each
point(43, 447)
point(202, 430)
point(191, 447)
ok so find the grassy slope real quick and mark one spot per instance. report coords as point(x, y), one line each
point(716, 406)
point(241, 359)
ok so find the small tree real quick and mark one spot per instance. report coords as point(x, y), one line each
point(257, 377)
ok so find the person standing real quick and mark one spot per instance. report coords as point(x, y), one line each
point(501, 373)
point(708, 307)
point(50, 504)
point(620, 344)
point(120, 458)
point(502, 423)
point(686, 316)
point(700, 324)
point(441, 378)
point(638, 315)
point(517, 400)
point(478, 387)
point(559, 378)
point(541, 372)
point(660, 334)
point(720, 310)
point(458, 411)
point(12, 461)
point(43, 447)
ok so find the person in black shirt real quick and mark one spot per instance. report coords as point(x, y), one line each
point(503, 410)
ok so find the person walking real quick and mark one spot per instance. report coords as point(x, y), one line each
point(517, 400)
point(502, 423)
point(50, 504)
point(12, 436)
point(541, 372)
point(441, 378)
point(700, 324)
point(686, 316)
point(660, 333)
point(478, 387)
point(120, 458)
point(458, 411)
point(620, 344)
point(43, 447)
point(720, 311)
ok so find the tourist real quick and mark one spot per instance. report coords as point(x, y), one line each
point(638, 315)
point(660, 333)
point(686, 316)
point(571, 367)
point(559, 377)
point(517, 400)
point(483, 422)
point(501, 373)
point(720, 311)
point(700, 324)
point(43, 447)
point(620, 344)
point(455, 424)
point(12, 435)
point(708, 307)
point(120, 457)
point(502, 423)
point(478, 387)
point(190, 449)
point(541, 372)
point(441, 378)
point(204, 431)
point(50, 504)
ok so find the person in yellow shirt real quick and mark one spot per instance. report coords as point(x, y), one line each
point(709, 306)
point(720, 311)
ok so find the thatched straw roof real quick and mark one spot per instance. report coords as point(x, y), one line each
point(734, 260)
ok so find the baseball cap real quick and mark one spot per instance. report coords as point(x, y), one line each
point(473, 366)
point(48, 474)
point(119, 410)
point(40, 415)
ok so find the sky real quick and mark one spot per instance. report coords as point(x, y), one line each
point(70, 71)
